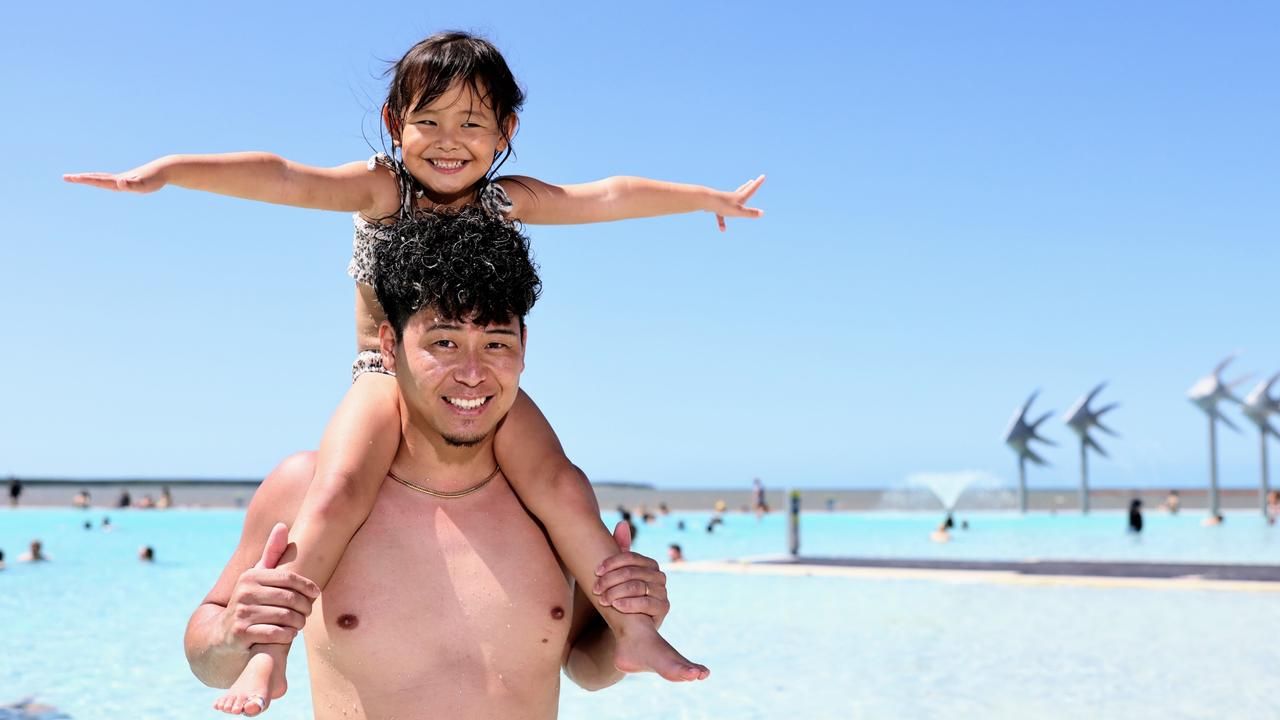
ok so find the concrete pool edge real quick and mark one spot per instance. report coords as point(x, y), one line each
point(1159, 576)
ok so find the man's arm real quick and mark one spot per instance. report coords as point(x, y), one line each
point(251, 603)
point(631, 583)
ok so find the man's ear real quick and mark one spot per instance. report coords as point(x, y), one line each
point(387, 343)
point(392, 125)
point(524, 343)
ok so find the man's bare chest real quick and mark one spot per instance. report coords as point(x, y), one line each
point(445, 594)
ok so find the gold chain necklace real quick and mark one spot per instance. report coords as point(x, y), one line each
point(446, 495)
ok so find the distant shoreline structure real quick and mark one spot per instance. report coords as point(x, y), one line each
point(236, 492)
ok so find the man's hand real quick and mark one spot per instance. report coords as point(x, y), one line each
point(734, 204)
point(268, 605)
point(630, 582)
point(144, 179)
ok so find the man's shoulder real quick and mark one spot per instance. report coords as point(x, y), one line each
point(280, 494)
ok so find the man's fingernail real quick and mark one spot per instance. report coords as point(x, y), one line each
point(600, 570)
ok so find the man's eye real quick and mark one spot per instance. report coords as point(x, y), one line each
point(497, 346)
point(443, 343)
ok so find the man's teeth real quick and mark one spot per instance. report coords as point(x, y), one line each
point(448, 164)
point(467, 404)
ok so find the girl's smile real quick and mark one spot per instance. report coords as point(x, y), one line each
point(450, 144)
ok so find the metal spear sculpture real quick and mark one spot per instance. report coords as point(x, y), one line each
point(1081, 418)
point(1206, 394)
point(1258, 406)
point(1018, 437)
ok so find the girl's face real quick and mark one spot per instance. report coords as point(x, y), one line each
point(451, 143)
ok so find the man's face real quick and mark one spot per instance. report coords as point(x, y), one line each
point(457, 378)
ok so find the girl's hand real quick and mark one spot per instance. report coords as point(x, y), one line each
point(734, 204)
point(144, 179)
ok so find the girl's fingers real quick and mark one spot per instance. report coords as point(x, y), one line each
point(746, 191)
point(720, 222)
point(101, 180)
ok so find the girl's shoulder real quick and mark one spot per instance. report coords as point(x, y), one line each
point(394, 196)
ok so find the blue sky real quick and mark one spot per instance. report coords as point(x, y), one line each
point(966, 201)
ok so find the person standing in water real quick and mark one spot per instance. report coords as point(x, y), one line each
point(1135, 515)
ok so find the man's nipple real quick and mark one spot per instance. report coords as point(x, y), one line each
point(347, 621)
point(557, 612)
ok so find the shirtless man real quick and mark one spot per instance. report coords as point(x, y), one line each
point(441, 607)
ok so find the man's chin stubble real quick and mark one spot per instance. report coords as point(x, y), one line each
point(464, 442)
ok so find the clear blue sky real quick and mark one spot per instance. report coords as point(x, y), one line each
point(966, 201)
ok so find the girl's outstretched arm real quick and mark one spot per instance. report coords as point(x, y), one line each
point(619, 198)
point(258, 176)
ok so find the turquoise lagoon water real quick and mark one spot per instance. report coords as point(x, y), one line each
point(98, 634)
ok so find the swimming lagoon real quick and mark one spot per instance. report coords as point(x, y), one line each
point(97, 634)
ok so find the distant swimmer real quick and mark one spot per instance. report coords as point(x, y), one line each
point(943, 533)
point(15, 491)
point(675, 553)
point(81, 499)
point(1214, 519)
point(1172, 502)
point(1273, 506)
point(34, 554)
point(1, 559)
point(146, 553)
point(1135, 515)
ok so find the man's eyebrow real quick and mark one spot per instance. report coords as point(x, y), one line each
point(502, 331)
point(443, 326)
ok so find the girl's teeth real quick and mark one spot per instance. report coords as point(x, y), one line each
point(447, 164)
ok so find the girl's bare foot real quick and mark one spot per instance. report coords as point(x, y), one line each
point(641, 649)
point(261, 681)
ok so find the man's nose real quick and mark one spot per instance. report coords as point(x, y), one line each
point(470, 371)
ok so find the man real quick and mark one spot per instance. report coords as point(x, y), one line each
point(441, 606)
point(35, 553)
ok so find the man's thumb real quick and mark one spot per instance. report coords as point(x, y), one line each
point(622, 534)
point(277, 541)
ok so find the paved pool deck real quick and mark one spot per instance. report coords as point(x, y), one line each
point(1150, 575)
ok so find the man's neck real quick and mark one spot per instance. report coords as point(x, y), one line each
point(426, 458)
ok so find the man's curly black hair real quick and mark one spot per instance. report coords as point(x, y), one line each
point(466, 263)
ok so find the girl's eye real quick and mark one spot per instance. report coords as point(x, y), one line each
point(425, 122)
point(471, 125)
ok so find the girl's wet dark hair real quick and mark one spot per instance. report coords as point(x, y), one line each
point(429, 68)
point(466, 263)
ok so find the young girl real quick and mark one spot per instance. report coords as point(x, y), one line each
point(451, 111)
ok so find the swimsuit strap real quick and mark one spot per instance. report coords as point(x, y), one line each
point(493, 199)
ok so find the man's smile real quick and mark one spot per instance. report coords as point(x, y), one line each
point(468, 406)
